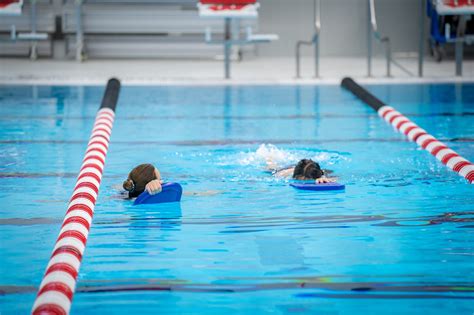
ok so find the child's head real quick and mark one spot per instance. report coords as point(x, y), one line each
point(138, 178)
point(307, 169)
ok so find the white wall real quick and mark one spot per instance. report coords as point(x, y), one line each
point(343, 25)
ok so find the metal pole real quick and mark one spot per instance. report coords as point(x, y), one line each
point(298, 60)
point(369, 40)
point(389, 55)
point(34, 44)
point(421, 43)
point(460, 44)
point(79, 32)
point(459, 56)
point(316, 58)
point(317, 29)
point(227, 47)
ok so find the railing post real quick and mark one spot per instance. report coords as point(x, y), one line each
point(298, 60)
point(314, 41)
point(421, 41)
point(369, 40)
point(79, 32)
point(388, 55)
point(316, 57)
point(459, 45)
point(227, 47)
point(33, 22)
point(317, 29)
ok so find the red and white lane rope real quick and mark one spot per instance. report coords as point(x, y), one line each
point(59, 281)
point(441, 151)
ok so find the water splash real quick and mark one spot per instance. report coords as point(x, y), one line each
point(269, 154)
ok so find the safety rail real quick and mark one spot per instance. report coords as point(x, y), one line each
point(372, 30)
point(314, 41)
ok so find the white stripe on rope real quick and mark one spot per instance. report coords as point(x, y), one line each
point(59, 282)
point(70, 241)
point(441, 151)
point(59, 276)
point(79, 213)
point(64, 258)
point(80, 201)
point(58, 300)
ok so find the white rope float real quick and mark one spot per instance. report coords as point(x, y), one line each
point(56, 291)
point(438, 149)
point(416, 134)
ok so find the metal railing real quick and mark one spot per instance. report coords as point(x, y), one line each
point(372, 30)
point(314, 41)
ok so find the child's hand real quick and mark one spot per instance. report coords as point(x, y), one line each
point(322, 180)
point(153, 187)
point(271, 165)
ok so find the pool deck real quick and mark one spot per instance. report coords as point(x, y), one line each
point(249, 71)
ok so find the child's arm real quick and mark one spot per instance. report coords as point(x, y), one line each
point(285, 173)
point(271, 165)
point(153, 187)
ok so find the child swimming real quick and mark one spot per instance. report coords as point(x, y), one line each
point(146, 177)
point(305, 169)
point(141, 178)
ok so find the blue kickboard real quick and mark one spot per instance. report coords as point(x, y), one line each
point(171, 193)
point(318, 187)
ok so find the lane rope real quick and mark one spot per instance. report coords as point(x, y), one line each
point(57, 288)
point(414, 133)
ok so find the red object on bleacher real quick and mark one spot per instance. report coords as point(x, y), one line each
point(4, 3)
point(228, 2)
point(458, 3)
point(226, 7)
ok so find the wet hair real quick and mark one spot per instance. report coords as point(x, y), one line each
point(138, 178)
point(307, 169)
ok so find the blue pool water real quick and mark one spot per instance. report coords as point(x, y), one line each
point(398, 240)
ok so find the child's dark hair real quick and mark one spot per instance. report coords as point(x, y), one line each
point(138, 178)
point(307, 169)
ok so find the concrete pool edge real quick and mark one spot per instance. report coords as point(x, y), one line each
point(217, 82)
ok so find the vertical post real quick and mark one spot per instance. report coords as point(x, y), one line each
point(316, 57)
point(421, 41)
point(459, 56)
point(317, 26)
point(298, 60)
point(388, 55)
point(227, 47)
point(79, 32)
point(58, 43)
point(369, 40)
point(33, 21)
point(460, 44)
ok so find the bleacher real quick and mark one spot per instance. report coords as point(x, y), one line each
point(119, 28)
point(45, 24)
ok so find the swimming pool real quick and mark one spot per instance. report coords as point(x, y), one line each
point(398, 240)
